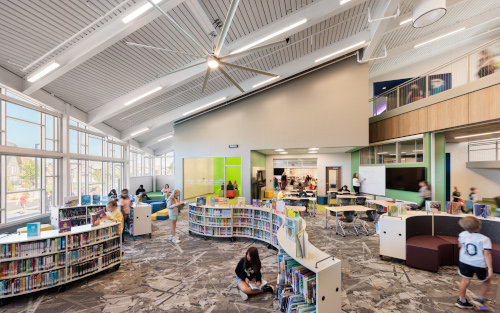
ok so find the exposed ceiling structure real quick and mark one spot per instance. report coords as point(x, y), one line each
point(305, 151)
point(98, 73)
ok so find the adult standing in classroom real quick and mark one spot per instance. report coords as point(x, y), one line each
point(356, 183)
point(283, 180)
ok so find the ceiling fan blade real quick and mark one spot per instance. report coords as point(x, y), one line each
point(227, 24)
point(245, 52)
point(161, 49)
point(182, 69)
point(206, 79)
point(174, 23)
point(247, 69)
point(230, 79)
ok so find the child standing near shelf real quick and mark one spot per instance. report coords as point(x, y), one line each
point(475, 258)
point(114, 215)
point(124, 205)
point(173, 212)
point(248, 271)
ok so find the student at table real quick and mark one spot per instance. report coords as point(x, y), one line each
point(344, 189)
point(356, 183)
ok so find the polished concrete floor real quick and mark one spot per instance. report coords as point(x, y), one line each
point(198, 276)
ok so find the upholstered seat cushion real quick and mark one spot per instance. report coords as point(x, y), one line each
point(456, 249)
point(428, 253)
point(495, 254)
point(157, 206)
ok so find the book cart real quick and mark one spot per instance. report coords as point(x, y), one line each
point(79, 215)
point(53, 259)
point(140, 220)
point(238, 221)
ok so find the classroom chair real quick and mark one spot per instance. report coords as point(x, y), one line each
point(345, 201)
point(360, 201)
point(348, 217)
point(371, 216)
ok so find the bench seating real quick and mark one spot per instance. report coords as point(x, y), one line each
point(428, 252)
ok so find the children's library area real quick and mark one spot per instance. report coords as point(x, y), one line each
point(204, 156)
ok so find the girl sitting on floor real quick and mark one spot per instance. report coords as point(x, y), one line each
point(248, 270)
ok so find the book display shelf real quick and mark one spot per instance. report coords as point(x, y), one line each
point(312, 284)
point(239, 221)
point(29, 264)
point(79, 215)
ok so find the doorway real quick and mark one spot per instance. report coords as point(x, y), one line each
point(333, 175)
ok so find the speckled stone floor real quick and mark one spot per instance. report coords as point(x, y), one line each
point(198, 276)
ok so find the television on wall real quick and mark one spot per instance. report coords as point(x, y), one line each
point(404, 178)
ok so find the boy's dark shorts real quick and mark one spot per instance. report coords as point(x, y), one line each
point(468, 271)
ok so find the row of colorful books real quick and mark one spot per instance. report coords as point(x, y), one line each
point(31, 282)
point(262, 224)
point(454, 208)
point(219, 221)
point(296, 288)
point(197, 228)
point(82, 269)
point(261, 234)
point(242, 213)
point(26, 249)
point(218, 212)
point(262, 215)
point(78, 240)
point(31, 265)
point(242, 231)
point(196, 218)
point(248, 222)
point(218, 231)
point(88, 252)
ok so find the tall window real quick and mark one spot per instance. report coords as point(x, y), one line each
point(141, 164)
point(164, 164)
point(95, 177)
point(403, 151)
point(86, 140)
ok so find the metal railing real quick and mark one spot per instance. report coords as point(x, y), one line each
point(485, 150)
point(473, 65)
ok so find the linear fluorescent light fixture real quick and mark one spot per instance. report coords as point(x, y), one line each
point(140, 131)
point(142, 96)
point(313, 149)
point(440, 37)
point(383, 153)
point(475, 135)
point(265, 82)
point(279, 150)
point(344, 1)
point(49, 67)
point(270, 36)
point(283, 152)
point(204, 106)
point(165, 138)
point(406, 21)
point(138, 12)
point(340, 51)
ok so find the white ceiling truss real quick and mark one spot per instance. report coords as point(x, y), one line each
point(99, 73)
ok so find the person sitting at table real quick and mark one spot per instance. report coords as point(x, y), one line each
point(281, 195)
point(344, 189)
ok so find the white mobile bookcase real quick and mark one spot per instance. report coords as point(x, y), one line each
point(79, 215)
point(29, 264)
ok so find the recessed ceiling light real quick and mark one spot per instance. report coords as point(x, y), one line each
point(279, 150)
point(475, 135)
point(283, 152)
point(340, 51)
point(142, 96)
point(270, 36)
point(140, 131)
point(138, 12)
point(312, 149)
point(165, 138)
point(203, 106)
point(406, 21)
point(49, 67)
point(384, 87)
point(265, 82)
point(440, 37)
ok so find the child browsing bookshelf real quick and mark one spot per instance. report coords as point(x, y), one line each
point(114, 215)
point(249, 279)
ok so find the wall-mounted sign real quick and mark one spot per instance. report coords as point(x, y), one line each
point(233, 146)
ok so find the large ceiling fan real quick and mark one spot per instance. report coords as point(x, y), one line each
point(214, 60)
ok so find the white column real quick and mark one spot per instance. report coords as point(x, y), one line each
point(65, 169)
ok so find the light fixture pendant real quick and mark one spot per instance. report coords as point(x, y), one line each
point(213, 63)
point(427, 12)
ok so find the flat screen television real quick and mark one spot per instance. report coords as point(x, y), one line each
point(278, 171)
point(404, 178)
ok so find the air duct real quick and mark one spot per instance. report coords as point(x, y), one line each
point(427, 12)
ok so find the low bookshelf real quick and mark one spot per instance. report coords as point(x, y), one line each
point(53, 259)
point(79, 215)
point(240, 221)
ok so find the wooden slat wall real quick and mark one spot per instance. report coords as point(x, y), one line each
point(450, 113)
point(484, 104)
point(414, 122)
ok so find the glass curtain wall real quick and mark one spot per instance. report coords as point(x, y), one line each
point(101, 178)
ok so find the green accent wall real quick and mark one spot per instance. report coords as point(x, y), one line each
point(232, 174)
point(218, 173)
point(354, 164)
point(440, 169)
point(233, 161)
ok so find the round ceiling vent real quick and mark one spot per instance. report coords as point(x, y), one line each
point(426, 12)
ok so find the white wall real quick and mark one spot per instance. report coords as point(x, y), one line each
point(342, 160)
point(135, 182)
point(161, 180)
point(310, 111)
point(487, 180)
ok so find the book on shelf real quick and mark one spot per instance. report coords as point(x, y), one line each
point(302, 244)
point(212, 201)
point(433, 207)
point(201, 201)
point(268, 204)
point(253, 285)
point(280, 207)
point(105, 200)
point(392, 211)
point(96, 199)
point(242, 201)
point(482, 210)
point(97, 217)
point(64, 226)
point(70, 201)
point(453, 208)
point(254, 203)
point(259, 203)
point(401, 208)
point(33, 229)
point(85, 200)
point(293, 226)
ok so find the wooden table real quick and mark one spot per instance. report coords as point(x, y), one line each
point(340, 209)
point(312, 199)
point(351, 197)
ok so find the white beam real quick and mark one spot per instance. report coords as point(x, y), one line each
point(314, 13)
point(165, 149)
point(96, 42)
point(378, 28)
point(154, 141)
point(285, 70)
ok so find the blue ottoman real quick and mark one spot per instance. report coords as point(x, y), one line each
point(157, 206)
point(162, 218)
point(322, 200)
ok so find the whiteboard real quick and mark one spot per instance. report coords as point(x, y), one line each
point(375, 179)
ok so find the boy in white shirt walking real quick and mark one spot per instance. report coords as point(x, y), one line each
point(475, 258)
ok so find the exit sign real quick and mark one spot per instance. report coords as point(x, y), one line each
point(233, 146)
